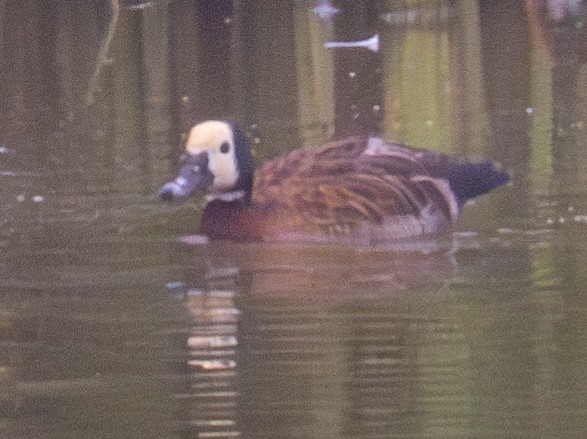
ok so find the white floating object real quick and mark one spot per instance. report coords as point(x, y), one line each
point(370, 43)
point(325, 10)
point(175, 285)
point(139, 5)
point(195, 239)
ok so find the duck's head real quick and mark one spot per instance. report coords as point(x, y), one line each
point(217, 160)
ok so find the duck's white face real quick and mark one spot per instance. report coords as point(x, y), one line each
point(218, 160)
point(216, 140)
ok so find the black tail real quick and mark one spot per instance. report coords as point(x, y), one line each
point(467, 179)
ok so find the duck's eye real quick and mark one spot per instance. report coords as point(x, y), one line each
point(224, 148)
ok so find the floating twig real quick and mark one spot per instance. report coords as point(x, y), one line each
point(370, 43)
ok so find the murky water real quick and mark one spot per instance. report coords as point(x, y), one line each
point(115, 321)
point(110, 327)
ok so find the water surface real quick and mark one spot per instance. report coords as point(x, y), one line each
point(116, 321)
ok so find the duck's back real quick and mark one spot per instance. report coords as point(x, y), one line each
point(368, 186)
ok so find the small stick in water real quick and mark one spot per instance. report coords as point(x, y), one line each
point(370, 43)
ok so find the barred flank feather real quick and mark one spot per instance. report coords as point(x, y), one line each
point(365, 180)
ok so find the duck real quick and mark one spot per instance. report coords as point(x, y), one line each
point(361, 188)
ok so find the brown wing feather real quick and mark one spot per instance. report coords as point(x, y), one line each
point(345, 183)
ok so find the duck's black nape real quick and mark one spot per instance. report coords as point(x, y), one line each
point(469, 180)
point(244, 158)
